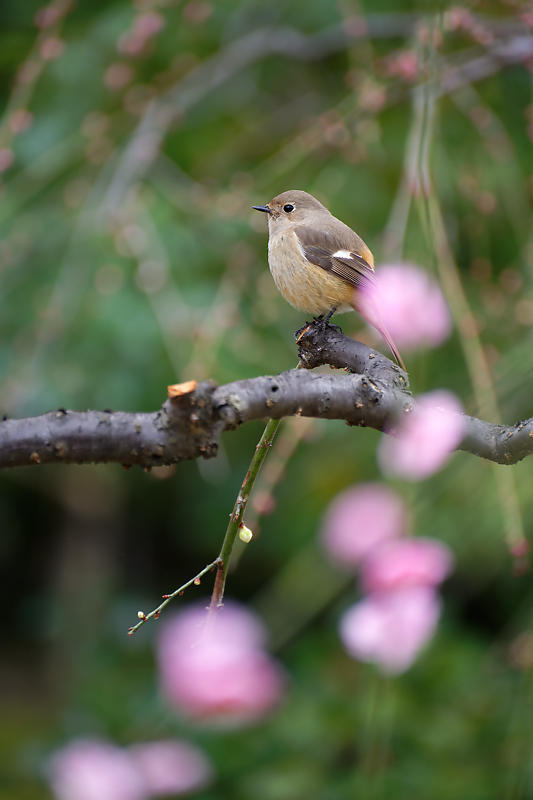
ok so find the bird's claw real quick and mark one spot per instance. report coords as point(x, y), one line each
point(319, 324)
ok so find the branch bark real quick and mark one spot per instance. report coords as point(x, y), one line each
point(372, 392)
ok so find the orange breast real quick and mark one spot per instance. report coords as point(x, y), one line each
point(304, 285)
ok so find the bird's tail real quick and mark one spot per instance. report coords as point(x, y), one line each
point(371, 314)
point(392, 345)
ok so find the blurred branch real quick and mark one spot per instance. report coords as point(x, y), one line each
point(146, 140)
point(373, 393)
point(467, 70)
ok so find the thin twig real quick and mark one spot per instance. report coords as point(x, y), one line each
point(236, 517)
point(475, 357)
point(168, 597)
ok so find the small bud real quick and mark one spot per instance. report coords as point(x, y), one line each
point(197, 581)
point(141, 615)
point(245, 534)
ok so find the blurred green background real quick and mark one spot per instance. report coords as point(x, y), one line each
point(134, 138)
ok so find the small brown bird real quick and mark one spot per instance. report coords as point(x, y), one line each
point(318, 263)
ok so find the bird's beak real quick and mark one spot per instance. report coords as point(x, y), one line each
point(266, 209)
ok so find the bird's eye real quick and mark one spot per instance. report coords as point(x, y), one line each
point(288, 207)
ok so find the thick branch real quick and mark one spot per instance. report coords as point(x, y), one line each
point(372, 392)
point(505, 444)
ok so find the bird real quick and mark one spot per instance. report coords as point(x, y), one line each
point(319, 264)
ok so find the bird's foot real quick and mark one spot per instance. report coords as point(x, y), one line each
point(319, 324)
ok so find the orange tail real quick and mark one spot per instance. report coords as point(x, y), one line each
point(392, 346)
point(371, 314)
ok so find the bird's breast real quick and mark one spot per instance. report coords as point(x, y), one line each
point(304, 285)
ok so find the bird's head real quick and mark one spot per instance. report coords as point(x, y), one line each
point(290, 207)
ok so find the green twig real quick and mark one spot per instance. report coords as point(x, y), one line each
point(235, 520)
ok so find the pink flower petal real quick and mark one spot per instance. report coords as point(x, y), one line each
point(51, 48)
point(425, 437)
point(406, 562)
point(358, 519)
point(215, 668)
point(95, 770)
point(409, 303)
point(6, 158)
point(172, 767)
point(390, 629)
point(148, 24)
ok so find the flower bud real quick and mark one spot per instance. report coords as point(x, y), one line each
point(245, 534)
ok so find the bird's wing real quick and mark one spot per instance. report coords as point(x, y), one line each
point(341, 252)
point(336, 255)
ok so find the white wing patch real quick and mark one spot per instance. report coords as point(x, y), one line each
point(342, 254)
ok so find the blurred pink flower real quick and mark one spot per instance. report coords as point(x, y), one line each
point(390, 628)
point(46, 16)
point(214, 668)
point(171, 767)
point(197, 11)
point(118, 75)
point(424, 438)
point(51, 48)
point(404, 64)
point(148, 24)
point(28, 72)
point(406, 562)
point(409, 304)
point(20, 120)
point(95, 770)
point(145, 26)
point(6, 158)
point(359, 519)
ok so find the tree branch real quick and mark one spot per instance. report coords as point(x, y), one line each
point(372, 392)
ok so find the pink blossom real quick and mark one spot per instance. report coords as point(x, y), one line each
point(406, 562)
point(6, 158)
point(424, 438)
point(20, 120)
point(28, 72)
point(213, 667)
point(47, 16)
point(131, 45)
point(390, 628)
point(118, 75)
point(145, 26)
point(404, 64)
point(171, 767)
point(51, 48)
point(358, 519)
point(95, 770)
point(407, 302)
point(197, 11)
point(148, 24)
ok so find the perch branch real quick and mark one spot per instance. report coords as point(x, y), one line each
point(372, 392)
